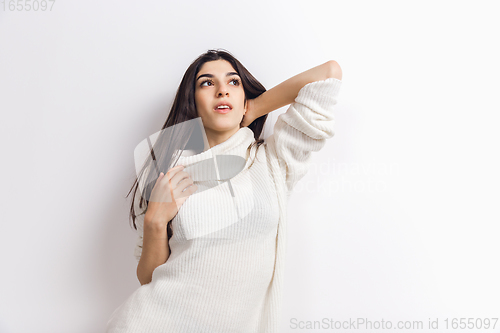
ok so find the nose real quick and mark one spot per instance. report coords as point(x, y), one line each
point(222, 91)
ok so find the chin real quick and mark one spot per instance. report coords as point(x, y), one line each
point(225, 125)
point(222, 128)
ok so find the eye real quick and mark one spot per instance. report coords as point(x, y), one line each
point(236, 82)
point(209, 81)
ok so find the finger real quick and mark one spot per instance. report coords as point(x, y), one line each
point(181, 187)
point(170, 174)
point(190, 190)
point(173, 171)
point(185, 183)
point(177, 178)
point(160, 192)
point(158, 179)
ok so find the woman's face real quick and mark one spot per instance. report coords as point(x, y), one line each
point(218, 83)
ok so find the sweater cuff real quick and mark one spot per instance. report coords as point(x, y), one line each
point(321, 91)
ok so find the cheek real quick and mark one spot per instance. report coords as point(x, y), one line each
point(198, 102)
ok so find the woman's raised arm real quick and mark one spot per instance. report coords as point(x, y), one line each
point(286, 92)
point(305, 126)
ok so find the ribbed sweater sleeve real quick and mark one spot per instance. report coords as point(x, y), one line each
point(304, 127)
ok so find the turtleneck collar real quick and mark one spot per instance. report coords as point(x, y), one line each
point(236, 145)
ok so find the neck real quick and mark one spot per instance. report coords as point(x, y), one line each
point(216, 137)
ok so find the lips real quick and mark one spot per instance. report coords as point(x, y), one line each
point(223, 110)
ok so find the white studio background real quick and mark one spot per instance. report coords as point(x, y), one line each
point(396, 220)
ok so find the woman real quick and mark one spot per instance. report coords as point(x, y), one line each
point(211, 259)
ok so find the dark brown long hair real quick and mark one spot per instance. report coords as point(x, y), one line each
point(184, 109)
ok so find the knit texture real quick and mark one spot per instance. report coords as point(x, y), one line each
point(225, 270)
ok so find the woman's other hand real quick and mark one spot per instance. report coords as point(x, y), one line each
point(168, 195)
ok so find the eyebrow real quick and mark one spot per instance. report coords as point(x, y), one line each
point(210, 75)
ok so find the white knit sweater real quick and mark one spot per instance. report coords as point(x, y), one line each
point(225, 271)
